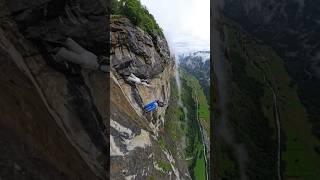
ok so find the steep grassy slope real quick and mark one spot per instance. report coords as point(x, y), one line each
point(198, 92)
point(292, 29)
point(260, 87)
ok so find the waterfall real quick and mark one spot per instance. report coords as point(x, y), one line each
point(178, 81)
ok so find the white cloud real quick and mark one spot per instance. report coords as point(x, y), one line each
point(186, 23)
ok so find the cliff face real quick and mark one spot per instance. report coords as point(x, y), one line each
point(150, 59)
point(55, 115)
point(54, 118)
point(135, 146)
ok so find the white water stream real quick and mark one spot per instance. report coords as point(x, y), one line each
point(178, 81)
point(277, 118)
point(202, 139)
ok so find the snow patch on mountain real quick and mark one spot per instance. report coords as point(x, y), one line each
point(203, 55)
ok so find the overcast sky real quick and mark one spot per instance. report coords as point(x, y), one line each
point(186, 23)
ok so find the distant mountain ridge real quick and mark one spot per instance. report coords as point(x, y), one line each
point(204, 55)
point(198, 64)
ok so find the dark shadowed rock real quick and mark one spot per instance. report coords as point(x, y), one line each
point(55, 114)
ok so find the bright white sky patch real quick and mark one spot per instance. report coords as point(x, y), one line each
point(186, 23)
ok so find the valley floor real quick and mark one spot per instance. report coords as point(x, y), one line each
point(192, 130)
point(266, 115)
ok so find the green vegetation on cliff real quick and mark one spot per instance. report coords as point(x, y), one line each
point(175, 125)
point(137, 13)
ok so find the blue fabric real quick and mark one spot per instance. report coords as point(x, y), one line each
point(151, 106)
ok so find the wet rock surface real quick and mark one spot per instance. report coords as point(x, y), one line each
point(149, 53)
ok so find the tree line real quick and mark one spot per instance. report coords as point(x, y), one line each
point(137, 14)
